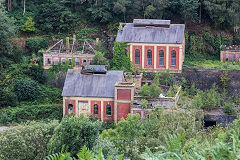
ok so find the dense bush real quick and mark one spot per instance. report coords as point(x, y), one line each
point(133, 135)
point(34, 44)
point(216, 144)
point(35, 112)
point(73, 133)
point(27, 89)
point(99, 59)
point(28, 141)
point(209, 99)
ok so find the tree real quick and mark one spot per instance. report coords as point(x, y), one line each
point(99, 59)
point(121, 58)
point(54, 17)
point(223, 14)
point(189, 9)
point(101, 10)
point(29, 26)
point(73, 133)
point(7, 30)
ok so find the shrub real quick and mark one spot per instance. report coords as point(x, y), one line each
point(34, 44)
point(28, 141)
point(35, 112)
point(209, 99)
point(108, 148)
point(26, 89)
point(152, 91)
point(29, 25)
point(229, 107)
point(73, 133)
point(99, 59)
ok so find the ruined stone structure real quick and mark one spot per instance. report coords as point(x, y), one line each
point(230, 53)
point(71, 51)
point(154, 45)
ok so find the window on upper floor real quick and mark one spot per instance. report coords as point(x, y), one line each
point(77, 60)
point(70, 61)
point(149, 57)
point(227, 57)
point(49, 61)
point(234, 57)
point(173, 58)
point(137, 56)
point(161, 58)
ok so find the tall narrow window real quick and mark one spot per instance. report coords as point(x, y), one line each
point(70, 61)
point(137, 56)
point(227, 57)
point(77, 60)
point(149, 57)
point(108, 110)
point(55, 61)
point(173, 58)
point(95, 109)
point(49, 61)
point(161, 58)
point(234, 57)
point(70, 108)
point(63, 61)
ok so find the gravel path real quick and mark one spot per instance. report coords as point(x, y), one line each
point(3, 128)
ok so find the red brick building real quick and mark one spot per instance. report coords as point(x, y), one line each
point(97, 92)
point(230, 53)
point(155, 45)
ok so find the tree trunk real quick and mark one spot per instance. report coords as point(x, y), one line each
point(24, 6)
point(9, 5)
point(200, 12)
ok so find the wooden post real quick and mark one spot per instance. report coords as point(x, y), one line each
point(74, 38)
point(67, 45)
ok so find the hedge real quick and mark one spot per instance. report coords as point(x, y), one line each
point(35, 112)
point(27, 141)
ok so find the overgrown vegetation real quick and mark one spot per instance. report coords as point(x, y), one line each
point(21, 114)
point(26, 141)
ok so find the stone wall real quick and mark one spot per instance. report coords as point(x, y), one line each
point(205, 78)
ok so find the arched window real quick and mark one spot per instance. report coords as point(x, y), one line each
point(161, 58)
point(137, 56)
point(70, 108)
point(108, 110)
point(173, 58)
point(234, 57)
point(227, 57)
point(95, 109)
point(149, 57)
point(84, 62)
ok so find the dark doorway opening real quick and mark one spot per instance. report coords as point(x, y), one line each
point(210, 123)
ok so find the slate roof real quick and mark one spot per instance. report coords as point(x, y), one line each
point(95, 85)
point(162, 35)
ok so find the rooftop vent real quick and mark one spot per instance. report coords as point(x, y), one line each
point(151, 22)
point(94, 69)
